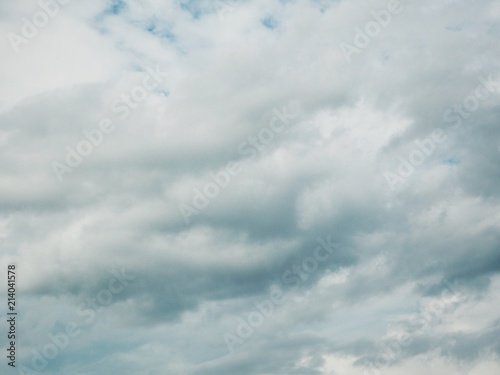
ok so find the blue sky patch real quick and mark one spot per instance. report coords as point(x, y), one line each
point(270, 22)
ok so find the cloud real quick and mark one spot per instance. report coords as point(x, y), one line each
point(323, 175)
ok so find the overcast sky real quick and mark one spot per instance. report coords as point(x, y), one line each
point(251, 187)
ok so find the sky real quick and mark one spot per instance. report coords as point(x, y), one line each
point(252, 187)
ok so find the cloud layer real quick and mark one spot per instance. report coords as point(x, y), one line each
point(386, 160)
